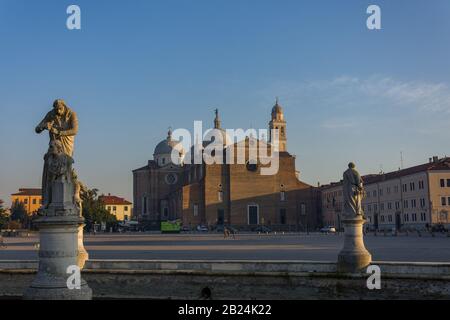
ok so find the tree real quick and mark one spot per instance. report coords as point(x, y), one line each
point(3, 216)
point(94, 210)
point(19, 213)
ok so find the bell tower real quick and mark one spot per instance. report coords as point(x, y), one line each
point(278, 123)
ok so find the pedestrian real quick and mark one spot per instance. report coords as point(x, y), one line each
point(226, 232)
point(2, 242)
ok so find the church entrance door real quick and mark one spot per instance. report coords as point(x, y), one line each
point(253, 214)
point(220, 216)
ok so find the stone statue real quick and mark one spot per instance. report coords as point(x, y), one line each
point(353, 192)
point(60, 222)
point(80, 189)
point(57, 167)
point(62, 124)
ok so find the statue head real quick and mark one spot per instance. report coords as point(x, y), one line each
point(59, 106)
point(351, 165)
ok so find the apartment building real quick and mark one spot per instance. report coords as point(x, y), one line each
point(412, 198)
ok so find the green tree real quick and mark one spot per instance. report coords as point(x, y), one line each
point(94, 210)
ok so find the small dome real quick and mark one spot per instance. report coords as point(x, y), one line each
point(166, 146)
point(277, 108)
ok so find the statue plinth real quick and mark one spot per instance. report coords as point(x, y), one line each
point(58, 231)
point(354, 256)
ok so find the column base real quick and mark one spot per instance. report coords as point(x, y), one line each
point(354, 257)
point(32, 293)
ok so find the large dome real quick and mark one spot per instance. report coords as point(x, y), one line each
point(163, 151)
point(166, 146)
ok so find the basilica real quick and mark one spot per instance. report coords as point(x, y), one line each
point(234, 194)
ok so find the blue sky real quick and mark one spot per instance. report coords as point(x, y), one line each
point(138, 67)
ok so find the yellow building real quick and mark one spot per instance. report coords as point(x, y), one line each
point(119, 207)
point(30, 198)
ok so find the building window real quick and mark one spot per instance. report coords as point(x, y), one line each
point(375, 207)
point(144, 205)
point(390, 218)
point(405, 203)
point(442, 183)
point(220, 196)
point(283, 216)
point(125, 208)
point(109, 209)
point(406, 217)
point(388, 190)
point(423, 216)
point(374, 193)
point(414, 217)
point(413, 203)
point(382, 207)
point(126, 218)
point(397, 205)
point(380, 192)
point(389, 206)
point(25, 201)
point(396, 189)
point(34, 201)
point(195, 210)
point(283, 196)
point(370, 207)
point(405, 187)
point(422, 202)
point(114, 208)
point(421, 184)
point(303, 209)
point(448, 183)
point(443, 201)
point(382, 218)
point(412, 186)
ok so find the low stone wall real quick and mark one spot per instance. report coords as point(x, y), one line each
point(133, 279)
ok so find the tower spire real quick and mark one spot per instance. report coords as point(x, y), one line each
point(217, 119)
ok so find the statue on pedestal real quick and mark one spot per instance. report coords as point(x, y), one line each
point(60, 219)
point(354, 256)
point(353, 192)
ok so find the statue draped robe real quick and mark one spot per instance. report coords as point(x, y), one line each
point(352, 193)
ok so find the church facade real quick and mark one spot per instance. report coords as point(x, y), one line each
point(235, 194)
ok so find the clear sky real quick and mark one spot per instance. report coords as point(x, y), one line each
point(138, 67)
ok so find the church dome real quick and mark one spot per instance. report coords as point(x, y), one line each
point(166, 146)
point(163, 150)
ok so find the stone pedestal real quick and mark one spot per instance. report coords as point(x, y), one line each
point(82, 253)
point(354, 257)
point(58, 230)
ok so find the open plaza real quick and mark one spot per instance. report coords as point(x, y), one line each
point(247, 246)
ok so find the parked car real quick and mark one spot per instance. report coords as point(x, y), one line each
point(221, 228)
point(202, 228)
point(439, 228)
point(185, 228)
point(328, 229)
point(263, 229)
